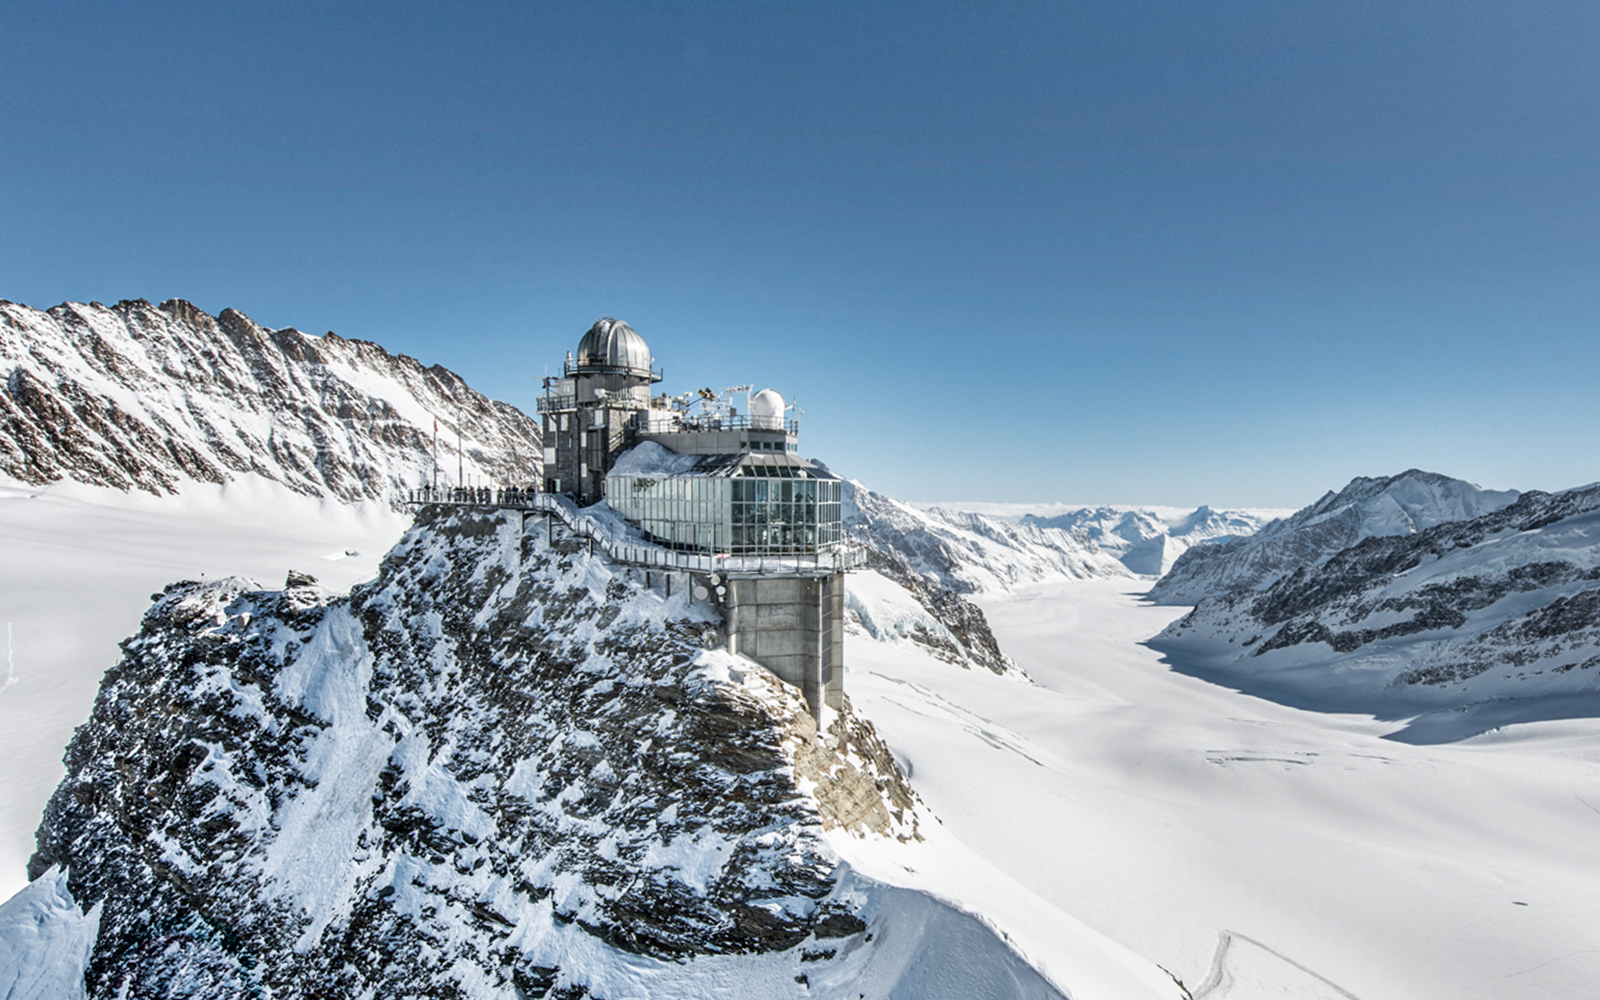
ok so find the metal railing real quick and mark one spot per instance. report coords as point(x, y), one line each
point(620, 545)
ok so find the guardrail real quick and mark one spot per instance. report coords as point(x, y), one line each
point(622, 546)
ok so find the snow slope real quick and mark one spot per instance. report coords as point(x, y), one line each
point(136, 396)
point(45, 941)
point(1469, 624)
point(1410, 502)
point(1251, 848)
point(77, 566)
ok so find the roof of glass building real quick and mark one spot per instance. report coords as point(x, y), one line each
point(649, 459)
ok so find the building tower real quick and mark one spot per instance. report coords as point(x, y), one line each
point(590, 412)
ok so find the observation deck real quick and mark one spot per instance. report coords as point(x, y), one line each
point(622, 542)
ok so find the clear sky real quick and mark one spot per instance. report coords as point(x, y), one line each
point(1175, 253)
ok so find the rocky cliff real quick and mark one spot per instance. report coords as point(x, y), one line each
point(142, 397)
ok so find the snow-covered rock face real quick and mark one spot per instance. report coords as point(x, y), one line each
point(1142, 540)
point(1500, 613)
point(505, 767)
point(142, 397)
point(970, 553)
point(1411, 502)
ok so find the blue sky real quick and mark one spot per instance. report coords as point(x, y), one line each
point(1178, 253)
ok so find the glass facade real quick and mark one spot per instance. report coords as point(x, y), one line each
point(750, 509)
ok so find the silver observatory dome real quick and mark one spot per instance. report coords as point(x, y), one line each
point(612, 347)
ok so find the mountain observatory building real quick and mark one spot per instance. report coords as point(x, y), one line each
point(718, 478)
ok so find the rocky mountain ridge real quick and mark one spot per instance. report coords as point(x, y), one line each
point(1403, 504)
point(1484, 620)
point(970, 553)
point(1143, 541)
point(141, 397)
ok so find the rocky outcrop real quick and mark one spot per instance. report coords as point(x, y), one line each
point(492, 771)
point(1405, 504)
point(958, 632)
point(142, 397)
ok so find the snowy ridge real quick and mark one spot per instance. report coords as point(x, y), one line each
point(142, 397)
point(1144, 540)
point(971, 553)
point(1410, 502)
point(1481, 621)
point(505, 766)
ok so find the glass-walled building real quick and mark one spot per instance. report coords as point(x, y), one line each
point(748, 504)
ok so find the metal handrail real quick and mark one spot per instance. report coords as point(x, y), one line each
point(634, 551)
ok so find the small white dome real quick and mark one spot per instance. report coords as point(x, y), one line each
point(766, 410)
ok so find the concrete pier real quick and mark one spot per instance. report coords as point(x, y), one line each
point(793, 626)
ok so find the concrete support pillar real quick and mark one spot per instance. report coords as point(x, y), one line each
point(793, 626)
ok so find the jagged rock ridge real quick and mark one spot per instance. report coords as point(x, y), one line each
point(1500, 607)
point(970, 553)
point(1410, 502)
point(142, 397)
point(426, 787)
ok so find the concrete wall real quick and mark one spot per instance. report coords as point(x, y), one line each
point(793, 626)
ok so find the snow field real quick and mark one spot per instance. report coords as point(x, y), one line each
point(1173, 815)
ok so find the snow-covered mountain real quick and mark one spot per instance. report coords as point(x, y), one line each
point(504, 767)
point(1410, 502)
point(136, 396)
point(971, 553)
point(1144, 540)
point(1499, 613)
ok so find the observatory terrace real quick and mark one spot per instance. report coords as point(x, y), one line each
point(626, 543)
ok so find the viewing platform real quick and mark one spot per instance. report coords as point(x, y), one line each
point(622, 542)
